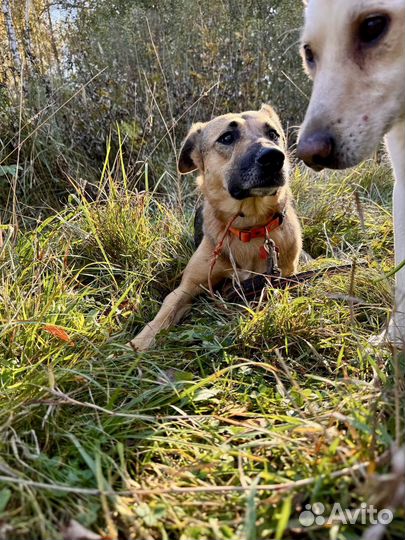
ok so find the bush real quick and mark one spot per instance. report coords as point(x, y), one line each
point(146, 72)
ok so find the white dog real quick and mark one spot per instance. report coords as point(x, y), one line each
point(354, 52)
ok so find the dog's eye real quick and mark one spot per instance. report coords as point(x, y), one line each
point(309, 55)
point(227, 138)
point(372, 28)
point(272, 134)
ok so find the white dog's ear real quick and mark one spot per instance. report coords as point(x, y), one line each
point(190, 155)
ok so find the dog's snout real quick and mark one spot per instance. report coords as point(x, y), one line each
point(272, 159)
point(316, 150)
point(258, 173)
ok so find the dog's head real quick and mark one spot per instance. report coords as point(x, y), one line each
point(354, 52)
point(242, 155)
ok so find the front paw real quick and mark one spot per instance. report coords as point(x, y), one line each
point(393, 336)
point(143, 341)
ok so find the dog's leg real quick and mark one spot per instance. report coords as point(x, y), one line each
point(290, 262)
point(290, 244)
point(396, 148)
point(178, 302)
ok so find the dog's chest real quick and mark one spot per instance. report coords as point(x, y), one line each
point(247, 256)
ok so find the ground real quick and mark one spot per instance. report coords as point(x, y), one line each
point(180, 442)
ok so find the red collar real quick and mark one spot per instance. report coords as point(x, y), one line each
point(246, 235)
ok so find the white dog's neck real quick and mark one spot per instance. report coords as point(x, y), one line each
point(395, 140)
point(396, 147)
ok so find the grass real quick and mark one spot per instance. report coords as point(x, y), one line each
point(286, 393)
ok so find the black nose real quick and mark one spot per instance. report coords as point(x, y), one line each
point(272, 159)
point(316, 150)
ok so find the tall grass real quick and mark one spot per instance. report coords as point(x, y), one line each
point(181, 441)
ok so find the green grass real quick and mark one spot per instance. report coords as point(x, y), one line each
point(285, 392)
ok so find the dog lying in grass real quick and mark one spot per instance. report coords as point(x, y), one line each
point(244, 172)
point(355, 53)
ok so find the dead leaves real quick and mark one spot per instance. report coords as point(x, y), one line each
point(58, 332)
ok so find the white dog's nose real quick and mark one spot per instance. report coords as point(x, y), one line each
point(316, 150)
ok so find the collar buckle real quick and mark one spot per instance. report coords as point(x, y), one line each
point(245, 236)
point(272, 252)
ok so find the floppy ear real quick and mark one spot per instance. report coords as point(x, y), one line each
point(189, 158)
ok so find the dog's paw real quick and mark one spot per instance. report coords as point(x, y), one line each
point(143, 341)
point(140, 345)
point(305, 258)
point(393, 336)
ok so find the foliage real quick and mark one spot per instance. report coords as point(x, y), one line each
point(99, 66)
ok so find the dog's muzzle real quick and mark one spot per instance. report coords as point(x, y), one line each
point(260, 174)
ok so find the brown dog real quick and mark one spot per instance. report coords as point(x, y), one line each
point(244, 177)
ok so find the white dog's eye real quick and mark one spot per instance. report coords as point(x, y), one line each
point(309, 55)
point(373, 28)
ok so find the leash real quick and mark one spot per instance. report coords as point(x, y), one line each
point(268, 251)
point(216, 253)
point(253, 287)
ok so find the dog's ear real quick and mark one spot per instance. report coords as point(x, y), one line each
point(190, 155)
point(267, 108)
point(274, 118)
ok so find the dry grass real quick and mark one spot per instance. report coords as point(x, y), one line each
point(232, 424)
